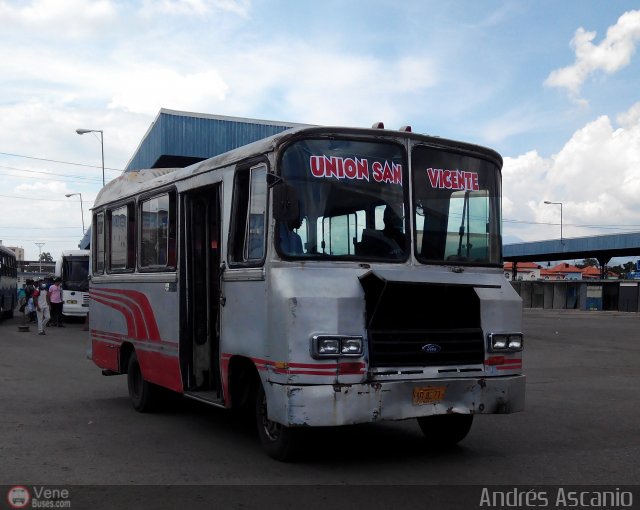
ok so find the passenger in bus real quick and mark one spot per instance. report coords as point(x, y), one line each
point(290, 242)
point(393, 227)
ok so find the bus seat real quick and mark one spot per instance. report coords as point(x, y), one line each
point(374, 244)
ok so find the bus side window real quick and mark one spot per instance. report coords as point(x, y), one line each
point(121, 235)
point(98, 244)
point(248, 228)
point(157, 232)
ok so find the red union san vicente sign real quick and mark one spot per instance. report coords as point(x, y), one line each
point(354, 168)
point(453, 179)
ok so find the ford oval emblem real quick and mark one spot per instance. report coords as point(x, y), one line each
point(430, 348)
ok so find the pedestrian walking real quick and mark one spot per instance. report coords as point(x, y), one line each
point(30, 309)
point(41, 298)
point(55, 298)
point(22, 300)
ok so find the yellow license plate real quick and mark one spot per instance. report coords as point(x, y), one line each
point(72, 301)
point(428, 395)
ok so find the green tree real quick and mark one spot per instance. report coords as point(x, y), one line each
point(588, 263)
point(46, 257)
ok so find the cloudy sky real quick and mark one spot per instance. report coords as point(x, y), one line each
point(553, 86)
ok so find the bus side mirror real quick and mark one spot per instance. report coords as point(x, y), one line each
point(286, 206)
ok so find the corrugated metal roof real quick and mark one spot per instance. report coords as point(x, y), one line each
point(179, 139)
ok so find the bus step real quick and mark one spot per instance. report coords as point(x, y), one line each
point(206, 397)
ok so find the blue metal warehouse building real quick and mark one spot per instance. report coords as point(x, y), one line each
point(179, 139)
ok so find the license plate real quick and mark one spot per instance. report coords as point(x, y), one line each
point(428, 395)
point(71, 301)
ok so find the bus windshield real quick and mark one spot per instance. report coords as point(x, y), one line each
point(456, 208)
point(351, 201)
point(74, 273)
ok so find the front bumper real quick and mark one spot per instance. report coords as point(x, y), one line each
point(331, 405)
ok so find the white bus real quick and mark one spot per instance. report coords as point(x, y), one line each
point(72, 267)
point(321, 277)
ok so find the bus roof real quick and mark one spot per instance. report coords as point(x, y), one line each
point(7, 251)
point(134, 182)
point(74, 253)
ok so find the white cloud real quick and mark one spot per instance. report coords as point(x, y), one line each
point(631, 117)
point(194, 7)
point(326, 86)
point(596, 176)
point(611, 55)
point(62, 18)
point(148, 88)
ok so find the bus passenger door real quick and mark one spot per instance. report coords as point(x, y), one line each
point(201, 300)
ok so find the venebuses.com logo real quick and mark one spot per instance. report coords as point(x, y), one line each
point(18, 497)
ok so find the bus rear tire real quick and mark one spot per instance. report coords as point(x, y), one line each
point(447, 429)
point(143, 394)
point(279, 441)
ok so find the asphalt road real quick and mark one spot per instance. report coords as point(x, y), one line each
point(63, 423)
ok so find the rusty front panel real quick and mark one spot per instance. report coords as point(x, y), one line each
point(362, 403)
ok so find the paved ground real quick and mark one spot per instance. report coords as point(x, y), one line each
point(62, 422)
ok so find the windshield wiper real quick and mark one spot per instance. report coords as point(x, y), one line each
point(461, 232)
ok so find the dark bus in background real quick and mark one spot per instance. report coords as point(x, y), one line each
point(8, 282)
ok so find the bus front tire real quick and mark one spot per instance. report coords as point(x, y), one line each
point(279, 441)
point(447, 429)
point(143, 394)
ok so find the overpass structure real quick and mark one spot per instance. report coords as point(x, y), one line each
point(601, 248)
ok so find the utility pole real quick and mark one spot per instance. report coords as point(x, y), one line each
point(40, 245)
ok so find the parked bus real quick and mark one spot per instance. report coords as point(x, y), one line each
point(72, 267)
point(8, 282)
point(321, 277)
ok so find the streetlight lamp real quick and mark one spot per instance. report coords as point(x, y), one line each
point(81, 209)
point(40, 245)
point(560, 204)
point(84, 131)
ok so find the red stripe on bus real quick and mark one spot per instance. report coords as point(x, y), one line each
point(304, 372)
point(135, 329)
point(107, 335)
point(510, 367)
point(145, 325)
point(349, 366)
point(327, 366)
point(128, 316)
point(140, 300)
point(139, 329)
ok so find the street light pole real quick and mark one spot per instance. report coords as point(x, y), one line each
point(81, 208)
point(40, 245)
point(84, 131)
point(560, 204)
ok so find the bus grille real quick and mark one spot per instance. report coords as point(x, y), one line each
point(421, 324)
point(426, 348)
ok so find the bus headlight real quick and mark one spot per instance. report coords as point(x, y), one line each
point(334, 346)
point(505, 342)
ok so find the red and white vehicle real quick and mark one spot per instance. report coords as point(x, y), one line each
point(323, 276)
